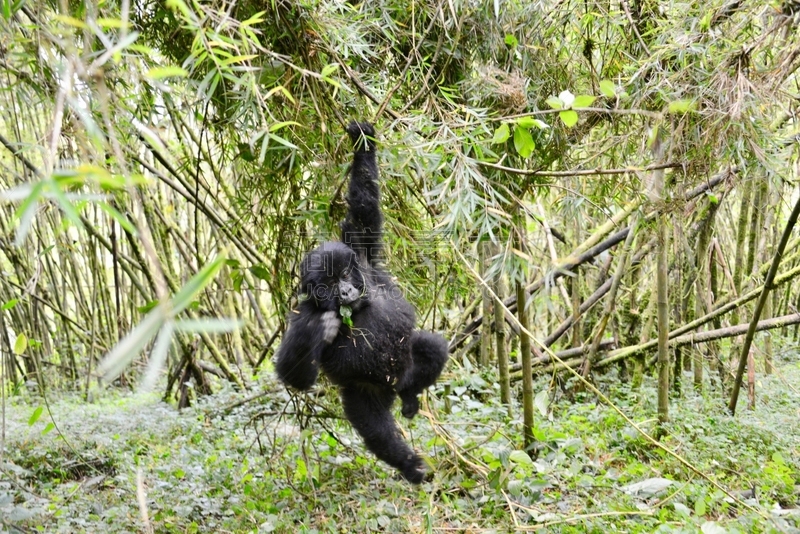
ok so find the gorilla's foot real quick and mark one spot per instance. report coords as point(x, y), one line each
point(414, 470)
point(410, 405)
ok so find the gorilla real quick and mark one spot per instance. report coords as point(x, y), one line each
point(353, 322)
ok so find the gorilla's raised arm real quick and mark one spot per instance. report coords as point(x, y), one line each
point(362, 228)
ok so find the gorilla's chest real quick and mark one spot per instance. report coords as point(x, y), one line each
point(376, 348)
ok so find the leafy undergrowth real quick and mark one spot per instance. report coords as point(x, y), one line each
point(275, 464)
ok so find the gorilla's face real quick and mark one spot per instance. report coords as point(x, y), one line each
point(333, 277)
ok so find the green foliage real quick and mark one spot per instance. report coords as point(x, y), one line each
point(214, 468)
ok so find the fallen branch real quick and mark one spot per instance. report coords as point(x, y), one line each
point(688, 339)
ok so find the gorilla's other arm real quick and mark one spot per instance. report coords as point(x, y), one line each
point(297, 363)
point(361, 229)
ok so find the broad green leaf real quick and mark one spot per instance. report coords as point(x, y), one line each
point(260, 272)
point(501, 134)
point(682, 106)
point(526, 122)
point(583, 101)
point(10, 304)
point(158, 73)
point(21, 344)
point(608, 88)
point(37, 413)
point(541, 402)
point(346, 313)
point(238, 278)
point(569, 118)
point(48, 428)
point(511, 40)
point(520, 457)
point(554, 102)
point(700, 506)
point(523, 142)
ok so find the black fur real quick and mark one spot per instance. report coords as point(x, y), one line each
point(381, 356)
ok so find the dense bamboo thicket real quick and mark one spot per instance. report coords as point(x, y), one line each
point(167, 164)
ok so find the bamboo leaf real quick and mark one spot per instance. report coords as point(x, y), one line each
point(119, 217)
point(159, 73)
point(184, 297)
point(158, 356)
point(131, 345)
point(71, 21)
point(238, 59)
point(37, 413)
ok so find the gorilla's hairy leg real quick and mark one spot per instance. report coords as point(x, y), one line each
point(429, 355)
point(369, 411)
point(361, 229)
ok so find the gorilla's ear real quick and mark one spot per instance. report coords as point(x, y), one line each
point(362, 134)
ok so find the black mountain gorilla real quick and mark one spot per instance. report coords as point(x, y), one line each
point(371, 351)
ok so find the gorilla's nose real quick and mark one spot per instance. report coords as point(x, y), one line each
point(348, 293)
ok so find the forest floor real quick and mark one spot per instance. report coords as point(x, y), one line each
point(275, 464)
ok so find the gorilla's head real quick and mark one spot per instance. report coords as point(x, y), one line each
point(332, 277)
